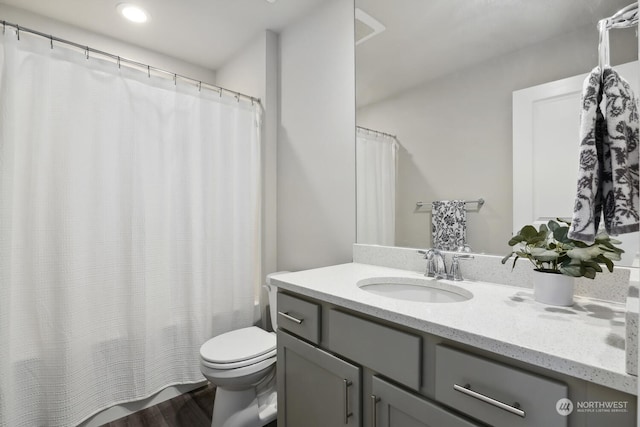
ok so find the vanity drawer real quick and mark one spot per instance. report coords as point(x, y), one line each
point(300, 317)
point(388, 351)
point(495, 393)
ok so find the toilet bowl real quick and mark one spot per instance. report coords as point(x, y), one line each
point(241, 364)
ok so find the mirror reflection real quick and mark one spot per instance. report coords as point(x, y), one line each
point(436, 89)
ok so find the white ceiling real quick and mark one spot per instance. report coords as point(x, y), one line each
point(426, 39)
point(202, 32)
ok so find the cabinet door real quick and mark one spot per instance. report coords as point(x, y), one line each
point(315, 388)
point(395, 407)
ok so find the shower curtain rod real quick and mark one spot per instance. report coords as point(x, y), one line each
point(377, 132)
point(132, 64)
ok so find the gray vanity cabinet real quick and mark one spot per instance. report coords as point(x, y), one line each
point(392, 406)
point(338, 368)
point(315, 388)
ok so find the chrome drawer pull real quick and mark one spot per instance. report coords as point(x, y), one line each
point(289, 317)
point(347, 413)
point(467, 390)
point(374, 413)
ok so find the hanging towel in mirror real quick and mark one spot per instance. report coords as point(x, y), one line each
point(608, 172)
point(587, 208)
point(620, 178)
point(449, 224)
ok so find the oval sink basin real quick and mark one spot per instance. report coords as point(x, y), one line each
point(415, 289)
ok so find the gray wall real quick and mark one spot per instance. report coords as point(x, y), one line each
point(316, 139)
point(456, 133)
point(254, 71)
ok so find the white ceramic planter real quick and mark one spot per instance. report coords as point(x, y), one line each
point(553, 289)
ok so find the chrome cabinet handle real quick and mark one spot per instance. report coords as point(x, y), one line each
point(374, 413)
point(512, 409)
point(289, 317)
point(347, 413)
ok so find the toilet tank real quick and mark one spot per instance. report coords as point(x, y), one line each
point(272, 292)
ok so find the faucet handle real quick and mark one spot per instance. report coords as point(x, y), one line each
point(431, 266)
point(456, 273)
point(464, 248)
point(440, 265)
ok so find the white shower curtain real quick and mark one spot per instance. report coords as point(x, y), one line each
point(129, 230)
point(376, 169)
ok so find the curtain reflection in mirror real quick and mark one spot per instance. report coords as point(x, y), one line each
point(376, 166)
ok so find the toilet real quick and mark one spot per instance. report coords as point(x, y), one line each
point(242, 366)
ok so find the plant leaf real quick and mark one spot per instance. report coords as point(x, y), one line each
point(606, 261)
point(560, 234)
point(528, 232)
point(544, 255)
point(584, 254)
point(571, 270)
point(514, 262)
point(589, 273)
point(613, 256)
point(594, 265)
point(515, 240)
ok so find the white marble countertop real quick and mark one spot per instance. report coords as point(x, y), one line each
point(584, 341)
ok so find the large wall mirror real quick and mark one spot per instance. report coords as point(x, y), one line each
point(435, 83)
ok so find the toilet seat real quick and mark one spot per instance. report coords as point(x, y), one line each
point(231, 373)
point(239, 348)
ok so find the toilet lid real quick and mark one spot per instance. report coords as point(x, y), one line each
point(236, 346)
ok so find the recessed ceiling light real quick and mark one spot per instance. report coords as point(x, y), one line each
point(133, 13)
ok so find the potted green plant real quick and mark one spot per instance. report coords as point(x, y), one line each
point(558, 259)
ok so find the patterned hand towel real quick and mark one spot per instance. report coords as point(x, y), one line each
point(608, 173)
point(449, 224)
point(621, 156)
point(588, 205)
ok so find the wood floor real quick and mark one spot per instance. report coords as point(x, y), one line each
point(188, 410)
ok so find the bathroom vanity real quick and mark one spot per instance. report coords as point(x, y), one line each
point(347, 356)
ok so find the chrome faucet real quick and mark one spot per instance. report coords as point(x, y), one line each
point(436, 266)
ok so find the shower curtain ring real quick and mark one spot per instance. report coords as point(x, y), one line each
point(18, 32)
point(118, 62)
point(51, 40)
point(175, 79)
point(199, 86)
point(149, 71)
point(86, 51)
point(4, 27)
